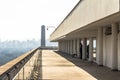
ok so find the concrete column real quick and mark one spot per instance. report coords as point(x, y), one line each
point(114, 47)
point(84, 48)
point(65, 47)
point(68, 47)
point(42, 36)
point(99, 55)
point(78, 48)
point(71, 47)
point(90, 49)
point(74, 47)
point(58, 46)
point(62, 46)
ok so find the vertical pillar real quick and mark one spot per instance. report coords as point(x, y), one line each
point(66, 46)
point(58, 46)
point(18, 76)
point(90, 49)
point(63, 46)
point(42, 36)
point(84, 49)
point(74, 47)
point(71, 52)
point(23, 73)
point(100, 46)
point(69, 47)
point(78, 48)
point(114, 47)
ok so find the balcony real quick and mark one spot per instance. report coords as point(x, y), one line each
point(39, 64)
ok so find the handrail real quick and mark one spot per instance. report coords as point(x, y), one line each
point(10, 69)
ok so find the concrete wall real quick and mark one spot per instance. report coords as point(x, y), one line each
point(86, 12)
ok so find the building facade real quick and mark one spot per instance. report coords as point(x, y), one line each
point(92, 23)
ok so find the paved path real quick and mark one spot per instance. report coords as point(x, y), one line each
point(60, 66)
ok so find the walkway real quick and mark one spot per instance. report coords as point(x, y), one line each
point(59, 66)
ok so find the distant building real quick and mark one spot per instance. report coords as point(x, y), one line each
point(42, 36)
point(92, 20)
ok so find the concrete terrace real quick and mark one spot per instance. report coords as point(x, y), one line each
point(59, 66)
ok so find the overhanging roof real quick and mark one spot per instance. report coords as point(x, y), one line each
point(86, 17)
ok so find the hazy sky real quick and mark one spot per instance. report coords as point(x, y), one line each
point(22, 19)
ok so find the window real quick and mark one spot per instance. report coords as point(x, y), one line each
point(108, 31)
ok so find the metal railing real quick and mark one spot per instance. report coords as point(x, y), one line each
point(25, 67)
point(19, 68)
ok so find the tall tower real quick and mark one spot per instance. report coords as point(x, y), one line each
point(43, 36)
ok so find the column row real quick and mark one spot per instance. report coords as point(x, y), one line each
point(78, 48)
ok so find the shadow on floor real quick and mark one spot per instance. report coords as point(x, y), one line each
point(37, 70)
point(99, 72)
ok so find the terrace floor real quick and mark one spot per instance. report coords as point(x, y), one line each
point(60, 66)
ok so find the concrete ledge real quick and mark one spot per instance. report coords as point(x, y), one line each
point(10, 69)
point(49, 48)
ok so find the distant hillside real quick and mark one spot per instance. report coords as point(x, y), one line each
point(11, 49)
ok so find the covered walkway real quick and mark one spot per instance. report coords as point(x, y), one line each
point(60, 66)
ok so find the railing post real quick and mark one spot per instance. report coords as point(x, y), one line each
point(23, 74)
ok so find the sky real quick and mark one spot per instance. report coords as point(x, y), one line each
point(22, 19)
